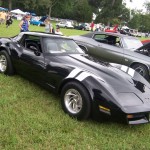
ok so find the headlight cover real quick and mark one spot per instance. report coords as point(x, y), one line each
point(129, 99)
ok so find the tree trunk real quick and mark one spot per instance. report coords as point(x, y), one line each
point(50, 10)
point(113, 2)
point(10, 4)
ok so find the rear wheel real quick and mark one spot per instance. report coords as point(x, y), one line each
point(75, 100)
point(142, 70)
point(5, 63)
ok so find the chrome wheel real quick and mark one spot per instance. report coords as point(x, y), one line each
point(73, 101)
point(3, 63)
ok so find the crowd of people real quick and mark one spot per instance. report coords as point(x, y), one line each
point(6, 18)
point(25, 22)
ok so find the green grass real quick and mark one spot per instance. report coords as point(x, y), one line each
point(31, 118)
point(14, 30)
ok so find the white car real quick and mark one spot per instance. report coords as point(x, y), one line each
point(66, 24)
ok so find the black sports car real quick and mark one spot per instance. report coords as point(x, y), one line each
point(117, 48)
point(87, 86)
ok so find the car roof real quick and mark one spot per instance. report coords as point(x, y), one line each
point(107, 33)
point(43, 34)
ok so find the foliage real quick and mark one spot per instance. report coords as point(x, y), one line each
point(63, 9)
point(140, 21)
point(82, 11)
point(147, 6)
point(107, 11)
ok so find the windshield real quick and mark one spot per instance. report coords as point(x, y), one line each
point(131, 43)
point(61, 45)
point(17, 37)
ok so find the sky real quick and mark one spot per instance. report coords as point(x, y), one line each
point(136, 4)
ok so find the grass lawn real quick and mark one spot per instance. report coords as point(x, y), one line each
point(32, 119)
point(14, 29)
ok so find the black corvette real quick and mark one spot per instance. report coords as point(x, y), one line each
point(87, 86)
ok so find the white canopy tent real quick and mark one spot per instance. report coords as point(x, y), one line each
point(18, 11)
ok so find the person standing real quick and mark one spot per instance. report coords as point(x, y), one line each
point(48, 26)
point(97, 27)
point(3, 17)
point(92, 26)
point(8, 20)
point(58, 30)
point(24, 24)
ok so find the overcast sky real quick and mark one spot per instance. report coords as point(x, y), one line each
point(136, 4)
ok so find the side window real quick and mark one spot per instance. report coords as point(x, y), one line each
point(101, 38)
point(31, 43)
point(111, 40)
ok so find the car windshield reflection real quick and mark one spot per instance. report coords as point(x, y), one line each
point(61, 46)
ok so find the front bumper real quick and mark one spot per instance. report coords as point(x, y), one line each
point(116, 114)
point(139, 118)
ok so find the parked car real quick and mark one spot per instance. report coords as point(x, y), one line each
point(145, 41)
point(116, 48)
point(83, 26)
point(87, 87)
point(65, 24)
point(39, 22)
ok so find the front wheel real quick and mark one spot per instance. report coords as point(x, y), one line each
point(76, 101)
point(142, 70)
point(5, 63)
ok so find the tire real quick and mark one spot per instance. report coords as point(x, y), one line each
point(5, 63)
point(75, 101)
point(142, 70)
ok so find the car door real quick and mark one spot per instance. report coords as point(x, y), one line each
point(31, 62)
point(108, 48)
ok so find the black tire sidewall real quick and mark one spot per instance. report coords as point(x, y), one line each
point(86, 102)
point(9, 70)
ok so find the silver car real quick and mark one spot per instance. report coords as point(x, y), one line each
point(117, 48)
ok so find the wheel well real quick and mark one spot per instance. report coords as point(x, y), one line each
point(70, 80)
point(2, 48)
point(135, 63)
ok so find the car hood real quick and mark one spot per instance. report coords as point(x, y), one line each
point(117, 79)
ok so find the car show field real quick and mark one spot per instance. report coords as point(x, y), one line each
point(32, 117)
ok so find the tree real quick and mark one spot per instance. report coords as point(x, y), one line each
point(64, 9)
point(109, 11)
point(82, 11)
point(48, 4)
point(147, 6)
point(10, 4)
